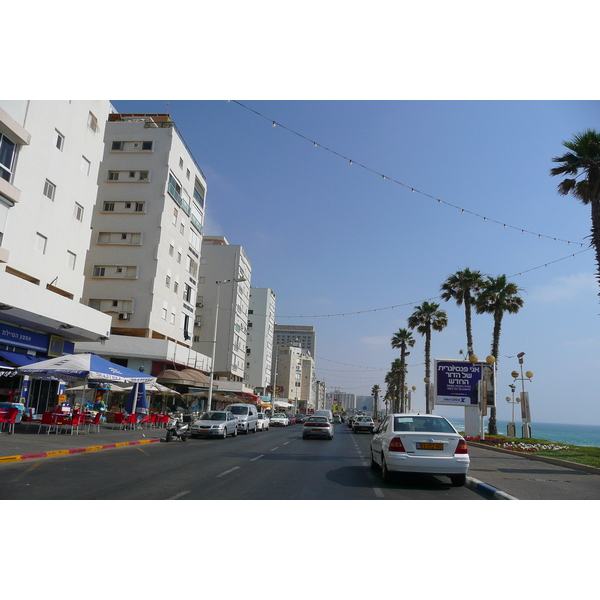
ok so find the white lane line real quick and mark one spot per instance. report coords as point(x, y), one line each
point(177, 496)
point(285, 443)
point(256, 457)
point(226, 472)
point(273, 449)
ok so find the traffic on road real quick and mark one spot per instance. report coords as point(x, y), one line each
point(279, 463)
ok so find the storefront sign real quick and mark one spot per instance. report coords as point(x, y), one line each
point(456, 382)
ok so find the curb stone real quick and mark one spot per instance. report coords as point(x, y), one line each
point(52, 453)
point(486, 490)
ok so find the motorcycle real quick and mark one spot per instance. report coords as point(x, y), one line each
point(177, 429)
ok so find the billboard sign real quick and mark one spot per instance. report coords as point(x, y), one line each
point(456, 382)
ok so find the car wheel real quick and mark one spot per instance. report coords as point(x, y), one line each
point(458, 480)
point(234, 434)
point(246, 431)
point(304, 437)
point(169, 436)
point(224, 433)
point(330, 437)
point(385, 474)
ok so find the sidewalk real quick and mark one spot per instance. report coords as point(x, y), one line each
point(27, 444)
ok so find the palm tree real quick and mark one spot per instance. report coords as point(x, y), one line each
point(463, 286)
point(375, 393)
point(402, 339)
point(498, 296)
point(584, 156)
point(392, 380)
point(425, 318)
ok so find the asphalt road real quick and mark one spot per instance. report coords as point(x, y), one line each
point(273, 465)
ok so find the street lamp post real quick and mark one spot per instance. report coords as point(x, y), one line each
point(214, 344)
point(511, 429)
point(526, 429)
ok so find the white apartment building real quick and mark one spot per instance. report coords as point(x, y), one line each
point(147, 226)
point(338, 398)
point(50, 155)
point(295, 377)
point(259, 339)
point(223, 303)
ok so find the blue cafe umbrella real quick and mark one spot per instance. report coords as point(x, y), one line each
point(136, 402)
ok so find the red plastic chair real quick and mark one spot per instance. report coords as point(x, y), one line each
point(47, 421)
point(95, 422)
point(118, 420)
point(73, 422)
point(9, 418)
point(129, 420)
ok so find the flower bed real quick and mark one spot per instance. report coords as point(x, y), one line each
point(518, 446)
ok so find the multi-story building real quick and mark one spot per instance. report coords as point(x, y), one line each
point(147, 227)
point(346, 401)
point(50, 155)
point(259, 339)
point(295, 377)
point(303, 336)
point(222, 303)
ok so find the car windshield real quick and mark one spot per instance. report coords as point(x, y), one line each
point(214, 416)
point(239, 410)
point(424, 423)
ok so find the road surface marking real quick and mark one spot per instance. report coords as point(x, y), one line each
point(378, 492)
point(177, 496)
point(273, 449)
point(229, 471)
point(256, 457)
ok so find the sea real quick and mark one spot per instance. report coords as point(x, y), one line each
point(577, 435)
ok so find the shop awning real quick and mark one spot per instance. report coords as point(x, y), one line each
point(20, 360)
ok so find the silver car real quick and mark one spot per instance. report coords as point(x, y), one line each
point(317, 427)
point(263, 422)
point(220, 423)
point(409, 443)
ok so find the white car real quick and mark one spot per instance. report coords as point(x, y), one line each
point(363, 424)
point(317, 427)
point(279, 419)
point(263, 422)
point(219, 423)
point(408, 443)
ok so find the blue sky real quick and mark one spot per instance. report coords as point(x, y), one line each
point(333, 238)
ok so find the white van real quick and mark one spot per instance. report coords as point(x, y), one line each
point(324, 413)
point(247, 416)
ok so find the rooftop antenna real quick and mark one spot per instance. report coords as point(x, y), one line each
point(167, 105)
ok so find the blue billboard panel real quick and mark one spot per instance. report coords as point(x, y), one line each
point(456, 382)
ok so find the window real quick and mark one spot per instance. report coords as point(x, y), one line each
point(143, 175)
point(117, 146)
point(99, 271)
point(180, 163)
point(113, 175)
point(49, 189)
point(187, 292)
point(40, 243)
point(146, 145)
point(171, 250)
point(175, 213)
point(139, 207)
point(93, 122)
point(78, 212)
point(60, 139)
point(187, 173)
point(108, 207)
point(71, 257)
point(85, 165)
point(199, 192)
point(168, 281)
point(7, 156)
point(176, 286)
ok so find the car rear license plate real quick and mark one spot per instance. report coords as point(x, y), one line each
point(317, 430)
point(429, 446)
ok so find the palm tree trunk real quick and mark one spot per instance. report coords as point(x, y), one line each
point(596, 235)
point(493, 423)
point(427, 369)
point(468, 324)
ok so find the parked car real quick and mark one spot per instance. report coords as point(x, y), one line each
point(291, 419)
point(363, 424)
point(324, 413)
point(317, 427)
point(263, 422)
point(408, 443)
point(247, 417)
point(279, 420)
point(220, 423)
point(300, 418)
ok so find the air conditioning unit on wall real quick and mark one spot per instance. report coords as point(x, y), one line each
point(124, 316)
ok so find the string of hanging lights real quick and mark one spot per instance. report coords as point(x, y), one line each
point(413, 190)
